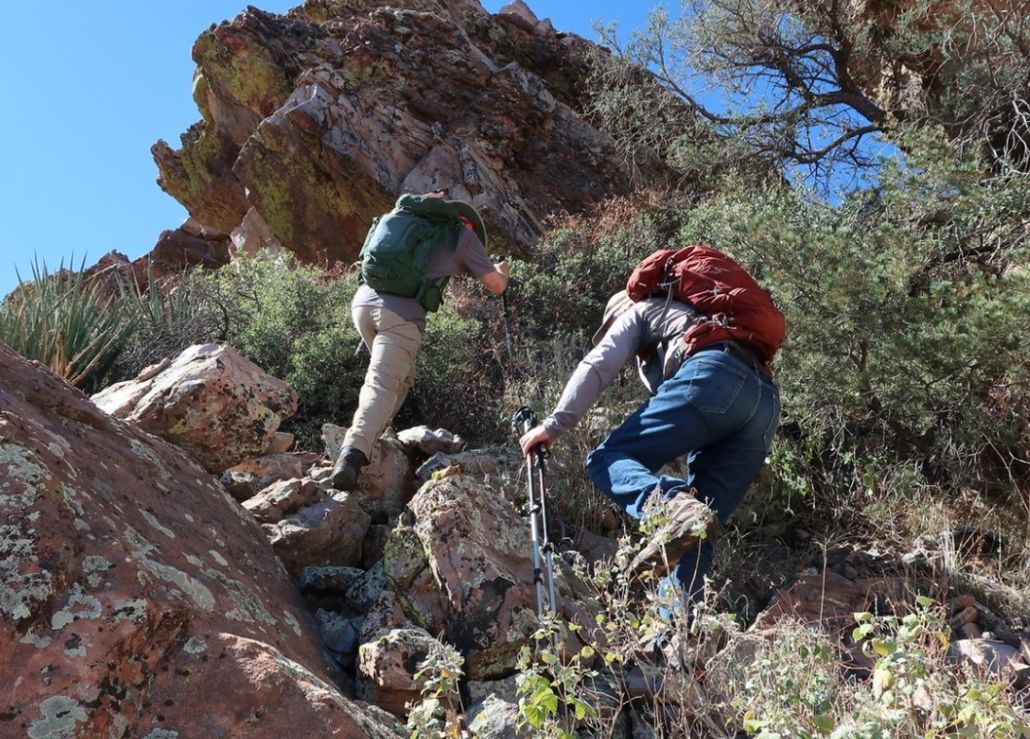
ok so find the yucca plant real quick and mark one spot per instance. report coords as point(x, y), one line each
point(65, 321)
point(166, 316)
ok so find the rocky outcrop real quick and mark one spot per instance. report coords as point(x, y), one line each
point(912, 57)
point(476, 572)
point(216, 405)
point(387, 668)
point(189, 245)
point(329, 532)
point(136, 598)
point(314, 122)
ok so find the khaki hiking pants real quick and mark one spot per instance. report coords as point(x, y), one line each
point(393, 343)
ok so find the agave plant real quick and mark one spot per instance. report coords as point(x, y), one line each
point(65, 321)
point(167, 315)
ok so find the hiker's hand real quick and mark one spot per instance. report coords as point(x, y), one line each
point(533, 437)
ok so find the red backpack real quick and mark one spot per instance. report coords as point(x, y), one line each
point(705, 278)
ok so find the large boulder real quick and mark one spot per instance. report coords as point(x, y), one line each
point(218, 406)
point(477, 589)
point(330, 532)
point(387, 668)
point(136, 597)
point(312, 123)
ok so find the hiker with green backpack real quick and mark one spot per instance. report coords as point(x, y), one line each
point(406, 261)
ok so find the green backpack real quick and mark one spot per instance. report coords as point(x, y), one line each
point(397, 247)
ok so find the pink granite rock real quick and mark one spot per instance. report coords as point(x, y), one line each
point(135, 595)
point(216, 405)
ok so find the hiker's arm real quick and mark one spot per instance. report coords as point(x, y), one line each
point(597, 371)
point(497, 281)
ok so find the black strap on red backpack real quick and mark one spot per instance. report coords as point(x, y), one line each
point(735, 307)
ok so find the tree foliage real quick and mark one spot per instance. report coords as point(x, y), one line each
point(792, 83)
point(907, 305)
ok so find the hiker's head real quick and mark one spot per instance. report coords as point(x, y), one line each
point(617, 305)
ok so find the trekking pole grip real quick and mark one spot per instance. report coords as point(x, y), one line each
point(523, 420)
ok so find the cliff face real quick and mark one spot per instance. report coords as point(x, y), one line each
point(313, 122)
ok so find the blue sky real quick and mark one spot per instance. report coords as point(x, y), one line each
point(88, 87)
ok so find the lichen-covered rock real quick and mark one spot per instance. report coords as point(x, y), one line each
point(329, 532)
point(135, 595)
point(246, 479)
point(385, 484)
point(314, 122)
point(339, 634)
point(283, 498)
point(480, 556)
point(216, 405)
point(429, 442)
point(475, 462)
point(495, 718)
point(407, 573)
point(387, 667)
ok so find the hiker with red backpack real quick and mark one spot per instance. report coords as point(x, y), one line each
point(407, 258)
point(703, 333)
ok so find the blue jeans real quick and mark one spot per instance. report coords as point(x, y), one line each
point(717, 410)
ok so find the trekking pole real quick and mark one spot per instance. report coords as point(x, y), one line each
point(523, 421)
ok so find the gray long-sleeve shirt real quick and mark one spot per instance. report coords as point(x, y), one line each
point(646, 324)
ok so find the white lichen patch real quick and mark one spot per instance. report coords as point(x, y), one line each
point(81, 525)
point(71, 499)
point(141, 547)
point(290, 619)
point(249, 608)
point(217, 557)
point(141, 450)
point(162, 734)
point(80, 606)
point(152, 520)
point(195, 646)
point(95, 563)
point(92, 566)
point(189, 518)
point(20, 465)
point(131, 610)
point(194, 560)
point(58, 446)
point(60, 715)
point(18, 590)
point(196, 590)
point(39, 642)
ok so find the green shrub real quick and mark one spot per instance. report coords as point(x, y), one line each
point(294, 322)
point(795, 685)
point(457, 381)
point(327, 376)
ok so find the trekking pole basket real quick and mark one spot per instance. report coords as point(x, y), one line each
point(536, 474)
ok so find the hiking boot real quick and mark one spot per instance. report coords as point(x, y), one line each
point(687, 521)
point(347, 467)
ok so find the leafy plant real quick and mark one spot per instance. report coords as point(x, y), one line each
point(551, 684)
point(438, 715)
